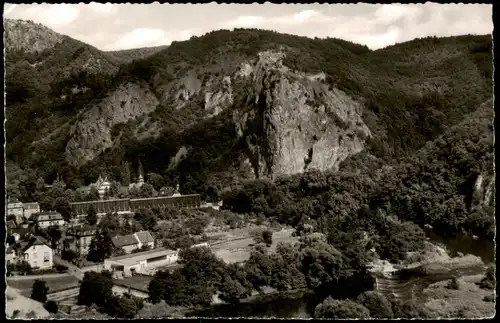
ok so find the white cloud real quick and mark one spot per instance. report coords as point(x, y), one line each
point(142, 37)
point(103, 8)
point(8, 8)
point(245, 21)
point(60, 14)
point(304, 15)
point(389, 13)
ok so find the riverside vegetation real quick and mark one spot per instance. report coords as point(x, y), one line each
point(427, 158)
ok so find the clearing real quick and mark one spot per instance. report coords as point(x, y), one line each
point(466, 302)
point(239, 250)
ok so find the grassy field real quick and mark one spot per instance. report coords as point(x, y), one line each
point(466, 302)
point(239, 250)
point(54, 284)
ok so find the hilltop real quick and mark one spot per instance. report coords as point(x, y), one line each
point(233, 105)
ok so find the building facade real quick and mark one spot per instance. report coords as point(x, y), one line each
point(47, 219)
point(79, 238)
point(123, 206)
point(17, 210)
point(38, 255)
point(125, 266)
point(30, 209)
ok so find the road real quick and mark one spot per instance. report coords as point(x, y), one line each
point(72, 269)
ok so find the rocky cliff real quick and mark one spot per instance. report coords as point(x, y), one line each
point(29, 36)
point(91, 134)
point(294, 122)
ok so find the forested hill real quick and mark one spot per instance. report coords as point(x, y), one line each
point(232, 105)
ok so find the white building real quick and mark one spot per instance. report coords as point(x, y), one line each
point(30, 209)
point(38, 255)
point(134, 241)
point(124, 266)
point(47, 219)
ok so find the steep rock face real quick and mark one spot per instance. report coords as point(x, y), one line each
point(29, 36)
point(91, 134)
point(294, 122)
point(216, 101)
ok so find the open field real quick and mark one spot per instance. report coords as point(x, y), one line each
point(239, 250)
point(54, 284)
point(467, 302)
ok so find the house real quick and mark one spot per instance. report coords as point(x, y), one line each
point(47, 219)
point(126, 265)
point(16, 209)
point(37, 254)
point(79, 237)
point(134, 241)
point(10, 254)
point(30, 209)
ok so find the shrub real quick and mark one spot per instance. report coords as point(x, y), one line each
point(454, 283)
point(51, 307)
point(377, 304)
point(332, 308)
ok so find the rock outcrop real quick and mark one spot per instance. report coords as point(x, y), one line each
point(294, 122)
point(28, 36)
point(91, 133)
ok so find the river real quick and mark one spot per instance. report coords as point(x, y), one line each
point(302, 306)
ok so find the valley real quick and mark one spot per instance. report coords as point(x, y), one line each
point(310, 160)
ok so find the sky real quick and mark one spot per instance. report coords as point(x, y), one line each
point(124, 26)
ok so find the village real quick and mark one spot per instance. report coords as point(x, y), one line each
point(43, 245)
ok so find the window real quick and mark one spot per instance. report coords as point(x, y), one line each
point(46, 257)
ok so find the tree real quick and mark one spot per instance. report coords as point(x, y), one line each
point(91, 217)
point(377, 304)
point(156, 180)
point(126, 174)
point(146, 218)
point(69, 255)
point(54, 234)
point(122, 306)
point(96, 288)
point(345, 309)
point(146, 190)
point(61, 205)
point(39, 291)
point(267, 237)
point(51, 307)
point(101, 247)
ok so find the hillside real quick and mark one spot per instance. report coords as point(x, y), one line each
point(230, 105)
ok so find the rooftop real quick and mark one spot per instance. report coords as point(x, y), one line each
point(138, 282)
point(34, 242)
point(134, 258)
point(123, 241)
point(144, 236)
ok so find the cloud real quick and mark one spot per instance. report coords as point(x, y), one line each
point(142, 37)
point(51, 15)
point(102, 8)
point(9, 7)
point(302, 17)
point(60, 14)
point(123, 26)
point(245, 21)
